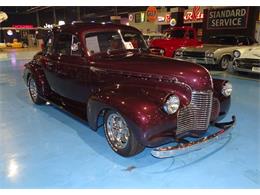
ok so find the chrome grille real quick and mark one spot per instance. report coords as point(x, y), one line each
point(215, 109)
point(194, 54)
point(155, 51)
point(196, 115)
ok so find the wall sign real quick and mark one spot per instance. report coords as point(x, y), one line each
point(194, 15)
point(22, 26)
point(131, 17)
point(161, 18)
point(168, 18)
point(173, 22)
point(228, 18)
point(151, 13)
point(139, 17)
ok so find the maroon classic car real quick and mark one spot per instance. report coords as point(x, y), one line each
point(105, 73)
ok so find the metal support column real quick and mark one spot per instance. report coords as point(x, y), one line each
point(37, 19)
point(78, 13)
point(54, 16)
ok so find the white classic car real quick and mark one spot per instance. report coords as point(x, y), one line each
point(247, 59)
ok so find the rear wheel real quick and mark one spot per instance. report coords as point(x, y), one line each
point(34, 91)
point(224, 63)
point(119, 136)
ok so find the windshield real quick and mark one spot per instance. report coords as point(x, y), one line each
point(222, 40)
point(100, 42)
point(176, 34)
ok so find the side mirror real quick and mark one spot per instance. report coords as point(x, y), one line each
point(75, 47)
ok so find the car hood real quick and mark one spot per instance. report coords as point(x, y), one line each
point(168, 42)
point(206, 47)
point(250, 52)
point(151, 66)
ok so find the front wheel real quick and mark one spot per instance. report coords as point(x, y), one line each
point(224, 63)
point(119, 136)
point(34, 91)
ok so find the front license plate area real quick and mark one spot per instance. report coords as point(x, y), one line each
point(192, 60)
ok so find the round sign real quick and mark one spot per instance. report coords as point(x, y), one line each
point(173, 22)
point(131, 17)
point(151, 13)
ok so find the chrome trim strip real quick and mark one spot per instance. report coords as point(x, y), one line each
point(244, 70)
point(171, 151)
point(205, 60)
point(140, 75)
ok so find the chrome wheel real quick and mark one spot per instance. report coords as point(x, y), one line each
point(224, 63)
point(33, 89)
point(117, 131)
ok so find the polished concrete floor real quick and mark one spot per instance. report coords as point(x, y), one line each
point(43, 147)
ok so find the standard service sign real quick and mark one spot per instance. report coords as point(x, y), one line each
point(227, 18)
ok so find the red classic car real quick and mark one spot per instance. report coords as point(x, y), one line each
point(105, 74)
point(175, 38)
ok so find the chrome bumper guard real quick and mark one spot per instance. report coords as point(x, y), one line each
point(182, 148)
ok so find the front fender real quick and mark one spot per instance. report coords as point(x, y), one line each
point(223, 100)
point(141, 107)
point(34, 69)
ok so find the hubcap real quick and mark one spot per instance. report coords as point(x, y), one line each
point(117, 131)
point(33, 89)
point(224, 63)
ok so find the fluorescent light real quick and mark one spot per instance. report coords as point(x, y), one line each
point(61, 22)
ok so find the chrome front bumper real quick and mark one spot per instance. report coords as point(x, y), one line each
point(182, 148)
point(247, 66)
point(196, 60)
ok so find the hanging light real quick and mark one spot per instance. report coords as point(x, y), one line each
point(9, 32)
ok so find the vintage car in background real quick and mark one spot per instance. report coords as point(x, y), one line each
point(247, 59)
point(152, 36)
point(106, 72)
point(17, 44)
point(175, 38)
point(2, 45)
point(216, 52)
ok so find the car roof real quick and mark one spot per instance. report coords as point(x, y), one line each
point(79, 27)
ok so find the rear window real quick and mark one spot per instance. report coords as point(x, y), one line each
point(176, 34)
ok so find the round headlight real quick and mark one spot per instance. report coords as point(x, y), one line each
point(210, 55)
point(178, 53)
point(172, 104)
point(236, 54)
point(162, 52)
point(227, 89)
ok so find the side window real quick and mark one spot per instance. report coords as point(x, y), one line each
point(63, 44)
point(251, 41)
point(103, 42)
point(242, 41)
point(191, 34)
